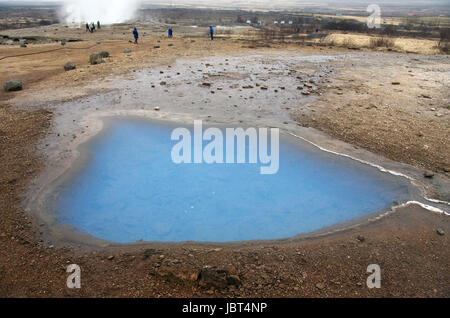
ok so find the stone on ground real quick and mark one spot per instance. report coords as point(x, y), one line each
point(69, 66)
point(428, 174)
point(217, 278)
point(104, 54)
point(127, 50)
point(12, 85)
point(95, 59)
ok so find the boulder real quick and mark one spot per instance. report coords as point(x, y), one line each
point(12, 85)
point(69, 66)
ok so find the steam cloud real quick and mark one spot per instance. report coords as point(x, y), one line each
point(105, 11)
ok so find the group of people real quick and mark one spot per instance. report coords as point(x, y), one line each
point(169, 33)
point(91, 27)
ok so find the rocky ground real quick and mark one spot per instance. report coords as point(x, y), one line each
point(394, 105)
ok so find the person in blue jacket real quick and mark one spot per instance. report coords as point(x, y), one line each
point(170, 32)
point(136, 35)
point(211, 32)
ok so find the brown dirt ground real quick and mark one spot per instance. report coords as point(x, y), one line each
point(406, 122)
point(414, 259)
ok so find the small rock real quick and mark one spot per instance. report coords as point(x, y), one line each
point(170, 44)
point(156, 46)
point(320, 286)
point(217, 278)
point(361, 238)
point(426, 96)
point(395, 83)
point(95, 59)
point(428, 174)
point(69, 66)
point(12, 85)
point(127, 50)
point(440, 232)
point(156, 108)
point(104, 54)
point(162, 83)
point(110, 257)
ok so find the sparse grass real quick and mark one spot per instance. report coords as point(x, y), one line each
point(382, 42)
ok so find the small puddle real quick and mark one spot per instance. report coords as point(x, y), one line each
point(126, 188)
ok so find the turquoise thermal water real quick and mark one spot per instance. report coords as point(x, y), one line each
point(129, 189)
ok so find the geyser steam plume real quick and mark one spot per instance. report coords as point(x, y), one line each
point(105, 11)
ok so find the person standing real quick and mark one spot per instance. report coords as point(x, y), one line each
point(136, 35)
point(170, 32)
point(211, 32)
point(98, 25)
point(87, 27)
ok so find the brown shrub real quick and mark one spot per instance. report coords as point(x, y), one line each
point(381, 42)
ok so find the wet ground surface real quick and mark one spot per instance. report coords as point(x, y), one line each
point(252, 89)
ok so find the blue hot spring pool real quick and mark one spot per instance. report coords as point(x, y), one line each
point(128, 189)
